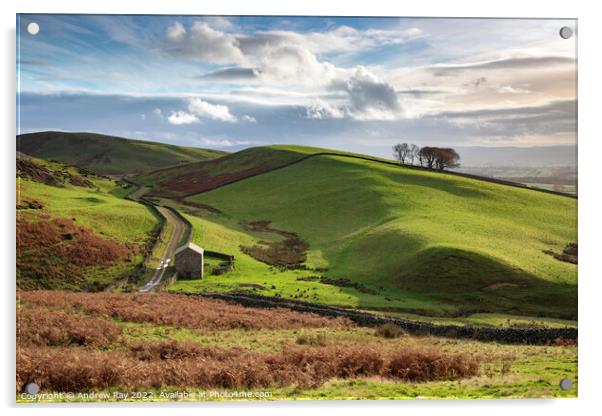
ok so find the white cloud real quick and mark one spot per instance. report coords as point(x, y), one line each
point(218, 22)
point(507, 89)
point(209, 40)
point(514, 81)
point(176, 32)
point(223, 142)
point(249, 119)
point(158, 112)
point(288, 60)
point(182, 117)
point(321, 109)
point(342, 39)
point(367, 97)
point(203, 42)
point(295, 64)
point(284, 67)
point(203, 109)
point(371, 98)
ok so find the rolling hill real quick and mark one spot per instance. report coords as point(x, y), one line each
point(108, 155)
point(178, 181)
point(196, 177)
point(75, 230)
point(361, 233)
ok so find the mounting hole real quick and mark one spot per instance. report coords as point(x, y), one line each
point(566, 384)
point(566, 32)
point(33, 28)
point(32, 388)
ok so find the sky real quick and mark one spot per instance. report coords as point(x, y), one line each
point(357, 84)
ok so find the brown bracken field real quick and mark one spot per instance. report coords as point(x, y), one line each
point(89, 341)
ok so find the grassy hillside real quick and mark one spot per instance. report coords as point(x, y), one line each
point(205, 175)
point(107, 154)
point(75, 230)
point(398, 239)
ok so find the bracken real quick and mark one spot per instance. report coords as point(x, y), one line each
point(56, 328)
point(179, 310)
point(53, 253)
point(184, 365)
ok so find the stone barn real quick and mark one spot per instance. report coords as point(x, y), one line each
point(189, 261)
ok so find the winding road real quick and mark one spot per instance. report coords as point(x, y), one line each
point(175, 236)
point(167, 259)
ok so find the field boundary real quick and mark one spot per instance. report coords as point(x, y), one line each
point(188, 235)
point(534, 336)
point(390, 163)
point(185, 238)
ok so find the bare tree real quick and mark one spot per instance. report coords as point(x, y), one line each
point(401, 152)
point(413, 155)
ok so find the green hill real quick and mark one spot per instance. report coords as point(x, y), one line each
point(370, 235)
point(107, 154)
point(179, 181)
point(75, 230)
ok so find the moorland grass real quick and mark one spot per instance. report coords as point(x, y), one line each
point(134, 353)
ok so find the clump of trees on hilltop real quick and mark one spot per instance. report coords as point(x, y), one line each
point(439, 158)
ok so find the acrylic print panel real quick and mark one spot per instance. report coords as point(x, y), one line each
point(275, 208)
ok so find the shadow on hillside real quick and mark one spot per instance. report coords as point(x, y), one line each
point(437, 180)
point(473, 283)
point(459, 281)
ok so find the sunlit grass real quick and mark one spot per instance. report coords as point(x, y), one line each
point(430, 243)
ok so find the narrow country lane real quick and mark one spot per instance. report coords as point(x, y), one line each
point(178, 228)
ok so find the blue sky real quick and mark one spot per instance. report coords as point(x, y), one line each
point(359, 84)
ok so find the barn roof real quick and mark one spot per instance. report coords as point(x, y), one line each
point(191, 246)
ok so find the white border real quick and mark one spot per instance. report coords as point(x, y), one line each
point(590, 230)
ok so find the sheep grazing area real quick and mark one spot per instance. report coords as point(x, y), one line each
point(170, 346)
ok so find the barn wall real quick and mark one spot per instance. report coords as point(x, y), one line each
point(189, 264)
